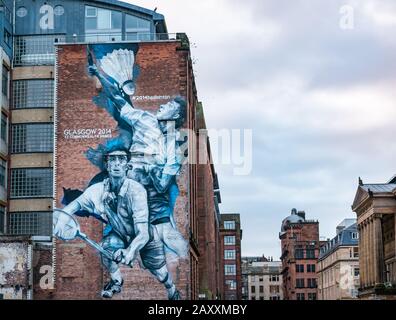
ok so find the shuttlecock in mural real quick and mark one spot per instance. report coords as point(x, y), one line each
point(119, 66)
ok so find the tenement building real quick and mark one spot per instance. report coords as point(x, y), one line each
point(263, 278)
point(300, 251)
point(338, 264)
point(375, 207)
point(231, 263)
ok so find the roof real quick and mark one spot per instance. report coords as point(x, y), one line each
point(122, 4)
point(379, 188)
point(343, 238)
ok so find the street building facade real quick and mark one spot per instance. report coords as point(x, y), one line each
point(375, 208)
point(300, 251)
point(231, 263)
point(338, 264)
point(263, 278)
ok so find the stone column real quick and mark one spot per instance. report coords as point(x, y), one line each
point(371, 246)
point(368, 250)
point(361, 255)
point(378, 250)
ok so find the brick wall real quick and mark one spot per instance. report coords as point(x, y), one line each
point(79, 273)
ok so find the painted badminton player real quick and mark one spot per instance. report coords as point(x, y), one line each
point(122, 203)
point(155, 160)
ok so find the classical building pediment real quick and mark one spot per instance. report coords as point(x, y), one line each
point(361, 195)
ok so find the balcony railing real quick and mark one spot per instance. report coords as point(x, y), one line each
point(40, 49)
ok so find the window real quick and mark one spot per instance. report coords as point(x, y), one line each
point(5, 80)
point(274, 278)
point(7, 37)
point(35, 50)
point(261, 279)
point(355, 235)
point(7, 12)
point(356, 252)
point(231, 284)
point(3, 129)
point(37, 137)
point(137, 28)
point(229, 225)
point(33, 94)
point(3, 170)
point(229, 240)
point(312, 283)
point(300, 283)
point(311, 296)
point(2, 217)
point(230, 269)
point(310, 253)
point(31, 223)
point(311, 268)
point(299, 253)
point(229, 254)
point(261, 289)
point(274, 289)
point(102, 24)
point(253, 289)
point(31, 183)
point(300, 296)
point(356, 272)
point(299, 268)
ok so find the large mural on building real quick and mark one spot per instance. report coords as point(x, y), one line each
point(133, 188)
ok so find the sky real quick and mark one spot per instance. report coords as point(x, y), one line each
point(315, 82)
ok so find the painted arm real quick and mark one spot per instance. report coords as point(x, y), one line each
point(140, 214)
point(110, 89)
point(161, 181)
point(128, 255)
point(72, 207)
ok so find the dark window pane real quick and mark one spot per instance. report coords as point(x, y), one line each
point(116, 20)
point(3, 131)
point(5, 81)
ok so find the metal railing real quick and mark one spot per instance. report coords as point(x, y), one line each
point(39, 50)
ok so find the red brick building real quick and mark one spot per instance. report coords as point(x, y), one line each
point(230, 248)
point(209, 218)
point(300, 251)
point(165, 70)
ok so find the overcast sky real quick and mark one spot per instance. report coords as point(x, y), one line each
point(319, 98)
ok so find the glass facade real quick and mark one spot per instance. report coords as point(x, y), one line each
point(35, 50)
point(33, 137)
point(31, 223)
point(31, 183)
point(33, 94)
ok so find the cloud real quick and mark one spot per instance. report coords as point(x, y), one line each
point(320, 101)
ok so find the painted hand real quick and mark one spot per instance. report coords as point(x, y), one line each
point(124, 256)
point(93, 70)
